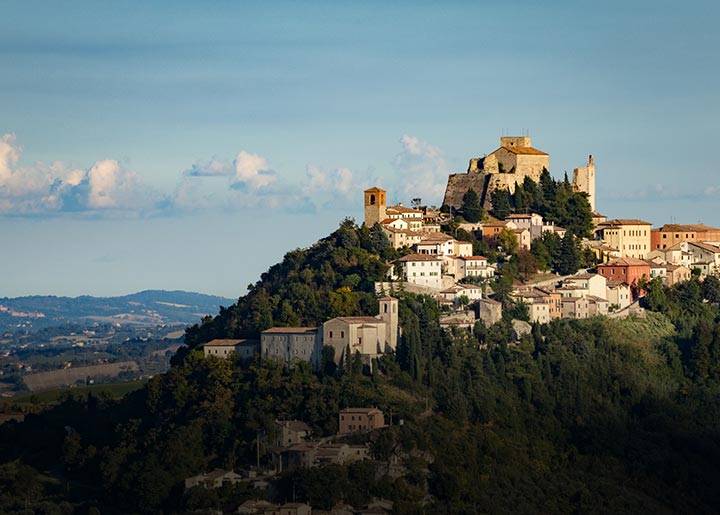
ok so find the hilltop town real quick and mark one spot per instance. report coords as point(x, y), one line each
point(501, 241)
point(443, 359)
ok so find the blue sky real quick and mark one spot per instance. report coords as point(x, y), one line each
point(189, 145)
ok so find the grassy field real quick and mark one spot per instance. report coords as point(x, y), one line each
point(113, 390)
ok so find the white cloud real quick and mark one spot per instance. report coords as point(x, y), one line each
point(252, 172)
point(42, 189)
point(421, 170)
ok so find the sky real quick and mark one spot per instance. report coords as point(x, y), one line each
point(189, 145)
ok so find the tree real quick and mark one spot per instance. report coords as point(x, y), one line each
point(501, 203)
point(471, 209)
point(508, 241)
point(578, 217)
point(569, 257)
point(526, 264)
point(711, 289)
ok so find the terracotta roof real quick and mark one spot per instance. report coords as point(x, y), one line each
point(436, 237)
point(705, 246)
point(497, 223)
point(227, 342)
point(419, 257)
point(520, 215)
point(615, 284)
point(618, 222)
point(408, 232)
point(525, 150)
point(290, 330)
point(374, 188)
point(360, 320)
point(402, 209)
point(581, 276)
point(685, 227)
point(626, 261)
point(474, 258)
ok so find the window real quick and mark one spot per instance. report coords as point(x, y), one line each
point(342, 334)
point(372, 200)
point(330, 334)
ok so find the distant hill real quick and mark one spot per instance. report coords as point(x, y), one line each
point(149, 307)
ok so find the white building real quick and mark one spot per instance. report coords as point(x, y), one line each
point(420, 269)
point(477, 266)
point(587, 284)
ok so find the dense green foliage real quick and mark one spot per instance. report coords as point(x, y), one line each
point(333, 277)
point(597, 415)
point(471, 209)
point(554, 200)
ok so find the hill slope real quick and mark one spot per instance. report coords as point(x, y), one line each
point(150, 307)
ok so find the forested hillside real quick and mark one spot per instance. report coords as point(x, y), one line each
point(597, 415)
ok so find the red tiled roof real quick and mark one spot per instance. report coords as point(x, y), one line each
point(524, 150)
point(419, 257)
point(290, 330)
point(227, 342)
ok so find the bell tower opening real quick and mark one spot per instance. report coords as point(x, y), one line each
point(374, 206)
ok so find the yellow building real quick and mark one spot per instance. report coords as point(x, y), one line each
point(630, 237)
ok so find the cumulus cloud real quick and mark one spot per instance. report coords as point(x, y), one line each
point(421, 170)
point(252, 172)
point(46, 189)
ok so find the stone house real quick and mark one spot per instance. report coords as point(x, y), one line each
point(627, 270)
point(476, 266)
point(225, 347)
point(618, 294)
point(400, 238)
point(587, 284)
point(575, 307)
point(289, 344)
point(704, 256)
point(676, 274)
point(420, 269)
point(353, 420)
point(533, 222)
point(670, 234)
point(313, 454)
point(524, 240)
point(290, 432)
point(597, 306)
point(452, 295)
point(538, 301)
point(370, 336)
point(631, 237)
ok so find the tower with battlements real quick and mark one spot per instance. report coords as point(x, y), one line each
point(584, 180)
point(503, 168)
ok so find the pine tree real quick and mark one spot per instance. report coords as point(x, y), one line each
point(569, 258)
point(501, 206)
point(471, 209)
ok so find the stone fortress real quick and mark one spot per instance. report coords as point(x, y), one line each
point(507, 166)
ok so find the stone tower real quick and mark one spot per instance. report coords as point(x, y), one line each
point(584, 180)
point(389, 315)
point(374, 206)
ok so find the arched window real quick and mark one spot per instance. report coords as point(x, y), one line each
point(372, 199)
